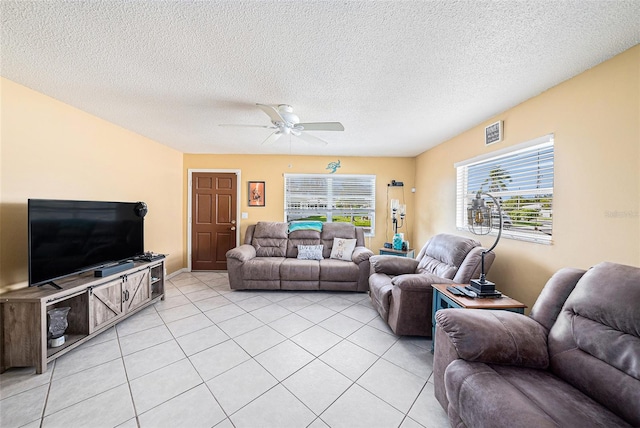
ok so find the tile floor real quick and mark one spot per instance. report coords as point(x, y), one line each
point(207, 356)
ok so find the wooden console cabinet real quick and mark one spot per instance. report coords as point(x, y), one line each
point(96, 304)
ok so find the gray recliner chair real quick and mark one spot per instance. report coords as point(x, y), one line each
point(400, 288)
point(573, 362)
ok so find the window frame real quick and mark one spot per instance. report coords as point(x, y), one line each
point(542, 215)
point(327, 206)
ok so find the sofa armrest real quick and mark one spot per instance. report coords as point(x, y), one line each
point(361, 254)
point(392, 265)
point(479, 396)
point(418, 281)
point(495, 337)
point(242, 253)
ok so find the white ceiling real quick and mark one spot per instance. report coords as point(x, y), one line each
point(402, 76)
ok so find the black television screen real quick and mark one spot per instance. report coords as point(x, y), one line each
point(68, 237)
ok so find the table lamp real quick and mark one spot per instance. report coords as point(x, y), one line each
point(480, 222)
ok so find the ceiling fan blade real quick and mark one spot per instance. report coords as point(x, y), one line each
point(272, 138)
point(311, 139)
point(246, 126)
point(272, 112)
point(322, 126)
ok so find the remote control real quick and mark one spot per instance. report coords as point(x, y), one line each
point(455, 291)
point(466, 292)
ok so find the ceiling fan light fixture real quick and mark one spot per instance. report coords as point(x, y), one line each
point(290, 118)
point(286, 112)
point(285, 122)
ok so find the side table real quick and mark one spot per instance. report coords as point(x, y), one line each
point(410, 253)
point(443, 299)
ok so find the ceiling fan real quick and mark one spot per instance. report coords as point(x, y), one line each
point(285, 122)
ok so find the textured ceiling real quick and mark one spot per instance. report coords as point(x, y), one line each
point(402, 76)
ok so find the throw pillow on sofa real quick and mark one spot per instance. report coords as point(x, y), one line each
point(305, 225)
point(310, 252)
point(343, 249)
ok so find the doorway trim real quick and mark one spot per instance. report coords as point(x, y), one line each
point(190, 171)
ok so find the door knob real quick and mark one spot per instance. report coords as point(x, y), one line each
point(233, 228)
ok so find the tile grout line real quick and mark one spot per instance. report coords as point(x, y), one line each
point(126, 375)
point(46, 399)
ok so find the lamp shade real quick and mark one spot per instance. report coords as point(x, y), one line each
point(479, 216)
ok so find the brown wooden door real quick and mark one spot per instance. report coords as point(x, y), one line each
point(213, 225)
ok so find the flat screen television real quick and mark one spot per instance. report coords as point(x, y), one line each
point(70, 237)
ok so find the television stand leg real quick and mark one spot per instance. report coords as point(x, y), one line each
point(51, 283)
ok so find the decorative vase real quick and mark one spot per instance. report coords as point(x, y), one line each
point(398, 238)
point(57, 326)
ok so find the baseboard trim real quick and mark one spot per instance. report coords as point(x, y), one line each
point(178, 272)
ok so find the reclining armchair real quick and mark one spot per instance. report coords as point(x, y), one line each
point(400, 288)
point(573, 362)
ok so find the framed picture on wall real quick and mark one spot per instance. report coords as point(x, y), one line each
point(257, 194)
point(493, 133)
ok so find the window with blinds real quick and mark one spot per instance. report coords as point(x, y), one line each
point(521, 179)
point(331, 198)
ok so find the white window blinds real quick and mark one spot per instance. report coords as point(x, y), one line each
point(521, 179)
point(331, 198)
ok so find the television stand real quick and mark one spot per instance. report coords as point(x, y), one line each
point(97, 304)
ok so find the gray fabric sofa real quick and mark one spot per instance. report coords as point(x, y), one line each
point(400, 288)
point(268, 259)
point(573, 362)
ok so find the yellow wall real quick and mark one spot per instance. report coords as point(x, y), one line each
point(51, 150)
point(271, 169)
point(596, 121)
